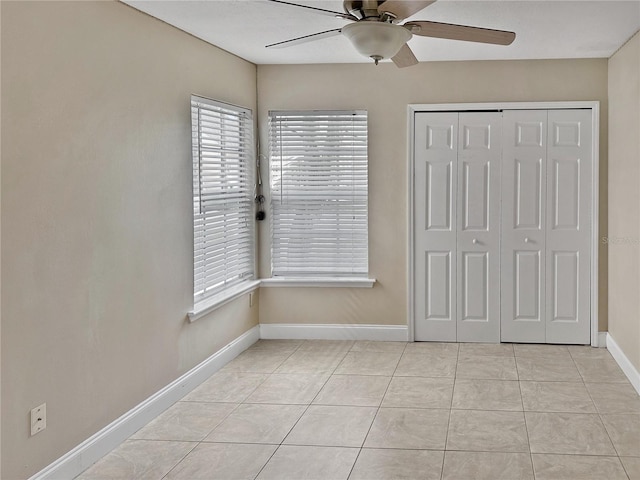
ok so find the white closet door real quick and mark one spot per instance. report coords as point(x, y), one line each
point(568, 227)
point(436, 151)
point(524, 172)
point(478, 227)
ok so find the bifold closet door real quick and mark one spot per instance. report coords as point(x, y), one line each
point(478, 227)
point(569, 193)
point(546, 226)
point(435, 189)
point(456, 226)
point(524, 187)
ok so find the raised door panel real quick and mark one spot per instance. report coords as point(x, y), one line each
point(438, 285)
point(524, 172)
point(478, 220)
point(526, 284)
point(568, 227)
point(435, 188)
point(438, 196)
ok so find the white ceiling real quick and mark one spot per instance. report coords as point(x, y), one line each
point(544, 29)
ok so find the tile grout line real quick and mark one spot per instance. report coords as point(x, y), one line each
point(524, 416)
point(305, 410)
point(606, 430)
point(377, 409)
point(584, 382)
point(453, 390)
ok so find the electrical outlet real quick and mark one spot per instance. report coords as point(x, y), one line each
point(38, 419)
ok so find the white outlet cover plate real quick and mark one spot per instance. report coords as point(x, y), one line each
point(38, 419)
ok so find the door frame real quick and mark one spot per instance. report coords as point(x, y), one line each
point(594, 106)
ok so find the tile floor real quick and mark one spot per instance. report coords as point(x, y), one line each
point(331, 410)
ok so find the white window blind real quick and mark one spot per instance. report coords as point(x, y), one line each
point(222, 196)
point(318, 166)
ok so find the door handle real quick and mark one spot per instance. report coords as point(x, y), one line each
point(526, 239)
point(475, 240)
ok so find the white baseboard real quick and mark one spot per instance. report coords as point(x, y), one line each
point(95, 447)
point(602, 340)
point(396, 333)
point(625, 364)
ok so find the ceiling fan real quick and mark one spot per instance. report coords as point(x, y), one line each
point(376, 32)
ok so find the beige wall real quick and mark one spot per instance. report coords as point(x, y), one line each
point(385, 92)
point(96, 216)
point(624, 199)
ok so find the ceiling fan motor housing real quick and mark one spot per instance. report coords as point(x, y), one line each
point(362, 9)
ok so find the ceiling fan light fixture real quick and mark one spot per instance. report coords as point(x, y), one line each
point(376, 40)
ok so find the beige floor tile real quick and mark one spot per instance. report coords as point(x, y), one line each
point(600, 370)
point(368, 363)
point(487, 466)
point(138, 459)
point(580, 413)
point(486, 367)
point(469, 394)
point(632, 466)
point(419, 392)
point(426, 365)
point(491, 349)
point(226, 387)
point(559, 352)
point(332, 426)
point(577, 467)
point(288, 388)
point(385, 464)
point(433, 348)
point(624, 431)
point(227, 461)
point(487, 431)
point(614, 397)
point(256, 361)
point(355, 390)
point(257, 423)
point(542, 369)
point(568, 433)
point(309, 463)
point(569, 397)
point(407, 428)
point(310, 361)
point(277, 345)
point(326, 346)
point(186, 421)
point(382, 347)
point(585, 351)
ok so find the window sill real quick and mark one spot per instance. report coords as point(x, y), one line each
point(209, 304)
point(339, 282)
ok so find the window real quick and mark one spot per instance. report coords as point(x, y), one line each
point(222, 196)
point(318, 167)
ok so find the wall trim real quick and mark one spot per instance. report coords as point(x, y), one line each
point(296, 331)
point(602, 340)
point(594, 106)
point(625, 364)
point(95, 447)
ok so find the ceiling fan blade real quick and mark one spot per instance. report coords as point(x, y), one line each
point(402, 9)
point(405, 57)
point(460, 32)
point(306, 38)
point(321, 11)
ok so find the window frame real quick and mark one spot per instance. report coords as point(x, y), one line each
point(355, 278)
point(224, 214)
